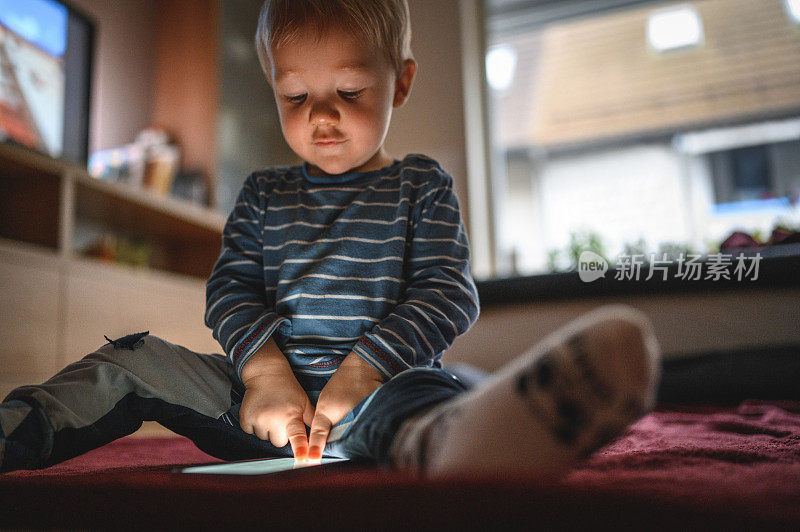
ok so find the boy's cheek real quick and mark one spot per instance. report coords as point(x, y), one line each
point(293, 132)
point(370, 112)
point(289, 117)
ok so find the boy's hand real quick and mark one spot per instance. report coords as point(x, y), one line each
point(275, 407)
point(353, 381)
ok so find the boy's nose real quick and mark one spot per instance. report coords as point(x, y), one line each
point(322, 113)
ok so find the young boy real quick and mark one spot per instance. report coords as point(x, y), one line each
point(340, 284)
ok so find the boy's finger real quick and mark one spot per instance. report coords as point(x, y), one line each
point(261, 432)
point(277, 435)
point(308, 413)
point(296, 432)
point(320, 428)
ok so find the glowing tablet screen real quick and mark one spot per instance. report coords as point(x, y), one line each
point(257, 467)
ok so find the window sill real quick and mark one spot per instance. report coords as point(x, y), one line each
point(774, 272)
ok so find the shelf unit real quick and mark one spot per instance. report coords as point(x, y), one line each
point(45, 201)
point(56, 304)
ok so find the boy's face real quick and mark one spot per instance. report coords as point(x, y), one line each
point(335, 97)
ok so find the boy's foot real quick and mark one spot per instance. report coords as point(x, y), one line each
point(569, 395)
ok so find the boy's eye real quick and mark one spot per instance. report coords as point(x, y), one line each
point(300, 98)
point(350, 95)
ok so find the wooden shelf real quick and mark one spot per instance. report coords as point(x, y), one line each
point(29, 202)
point(11, 153)
point(118, 204)
point(44, 200)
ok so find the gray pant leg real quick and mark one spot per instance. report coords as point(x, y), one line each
point(108, 394)
point(88, 389)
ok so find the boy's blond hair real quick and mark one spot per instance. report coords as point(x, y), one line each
point(383, 24)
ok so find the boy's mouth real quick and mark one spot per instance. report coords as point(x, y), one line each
point(327, 142)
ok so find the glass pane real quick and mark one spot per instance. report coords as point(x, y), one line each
point(658, 127)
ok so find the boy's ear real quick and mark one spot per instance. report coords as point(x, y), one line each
point(402, 87)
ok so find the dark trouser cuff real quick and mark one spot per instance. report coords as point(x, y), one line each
point(412, 391)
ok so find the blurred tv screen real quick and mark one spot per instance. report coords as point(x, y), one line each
point(45, 63)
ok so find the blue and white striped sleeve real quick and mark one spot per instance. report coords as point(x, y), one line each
point(236, 304)
point(440, 300)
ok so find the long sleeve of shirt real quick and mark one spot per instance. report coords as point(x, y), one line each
point(440, 300)
point(237, 309)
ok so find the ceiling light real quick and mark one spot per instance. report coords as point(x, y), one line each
point(674, 28)
point(501, 62)
point(793, 9)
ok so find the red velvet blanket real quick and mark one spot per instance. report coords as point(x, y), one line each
point(678, 466)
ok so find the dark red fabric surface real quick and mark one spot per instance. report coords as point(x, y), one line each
point(679, 466)
point(746, 456)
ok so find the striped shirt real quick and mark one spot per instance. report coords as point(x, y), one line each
point(376, 263)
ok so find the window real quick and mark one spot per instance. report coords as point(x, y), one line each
point(741, 174)
point(638, 126)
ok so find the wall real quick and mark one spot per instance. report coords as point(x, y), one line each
point(248, 133)
point(684, 323)
point(432, 121)
point(122, 78)
point(185, 95)
point(628, 193)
